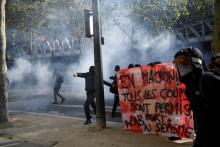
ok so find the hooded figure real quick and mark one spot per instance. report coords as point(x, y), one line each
point(90, 92)
point(201, 89)
point(189, 63)
point(215, 64)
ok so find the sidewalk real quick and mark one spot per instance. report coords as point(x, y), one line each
point(45, 130)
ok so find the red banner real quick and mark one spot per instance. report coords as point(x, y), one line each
point(152, 101)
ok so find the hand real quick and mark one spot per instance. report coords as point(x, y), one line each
point(75, 75)
point(112, 77)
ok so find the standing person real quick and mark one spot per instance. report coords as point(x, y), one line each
point(215, 63)
point(210, 82)
point(131, 65)
point(115, 90)
point(90, 92)
point(201, 88)
point(58, 82)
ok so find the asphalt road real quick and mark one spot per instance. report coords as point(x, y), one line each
point(39, 100)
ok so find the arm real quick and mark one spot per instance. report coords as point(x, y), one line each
point(107, 83)
point(112, 77)
point(81, 75)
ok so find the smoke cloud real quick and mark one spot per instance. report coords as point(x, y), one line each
point(122, 47)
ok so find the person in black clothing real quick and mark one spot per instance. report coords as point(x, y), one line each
point(154, 63)
point(115, 91)
point(215, 62)
point(131, 65)
point(90, 92)
point(137, 65)
point(209, 85)
point(57, 86)
point(201, 88)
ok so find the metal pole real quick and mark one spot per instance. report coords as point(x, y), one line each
point(32, 54)
point(100, 103)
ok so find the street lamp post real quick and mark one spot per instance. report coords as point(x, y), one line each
point(100, 103)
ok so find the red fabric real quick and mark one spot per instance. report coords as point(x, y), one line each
point(152, 101)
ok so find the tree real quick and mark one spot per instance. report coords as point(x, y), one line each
point(159, 15)
point(3, 68)
point(31, 24)
point(164, 15)
point(25, 14)
point(216, 33)
point(199, 8)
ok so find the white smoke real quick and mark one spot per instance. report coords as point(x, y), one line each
point(119, 49)
point(26, 72)
point(22, 67)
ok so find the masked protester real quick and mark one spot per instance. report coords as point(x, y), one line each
point(189, 63)
point(209, 85)
point(115, 89)
point(58, 82)
point(131, 65)
point(90, 92)
point(215, 63)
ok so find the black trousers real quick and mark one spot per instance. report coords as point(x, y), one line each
point(199, 115)
point(115, 104)
point(89, 101)
point(56, 93)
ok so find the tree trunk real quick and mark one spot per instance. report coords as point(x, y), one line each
point(3, 68)
point(216, 32)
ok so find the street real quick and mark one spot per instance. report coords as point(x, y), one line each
point(39, 100)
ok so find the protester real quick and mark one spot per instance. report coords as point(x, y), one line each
point(90, 92)
point(137, 65)
point(115, 90)
point(131, 65)
point(215, 63)
point(201, 88)
point(58, 82)
point(154, 63)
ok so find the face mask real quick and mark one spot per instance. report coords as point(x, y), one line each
point(184, 70)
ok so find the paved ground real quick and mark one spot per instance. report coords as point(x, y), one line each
point(39, 101)
point(36, 122)
point(46, 130)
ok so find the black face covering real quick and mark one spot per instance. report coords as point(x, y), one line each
point(184, 70)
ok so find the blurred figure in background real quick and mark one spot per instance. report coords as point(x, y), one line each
point(58, 82)
point(214, 66)
point(131, 65)
point(137, 65)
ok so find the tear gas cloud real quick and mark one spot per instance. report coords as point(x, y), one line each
point(118, 49)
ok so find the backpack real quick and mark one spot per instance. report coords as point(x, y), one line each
point(113, 88)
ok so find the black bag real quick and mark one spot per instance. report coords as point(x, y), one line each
point(113, 88)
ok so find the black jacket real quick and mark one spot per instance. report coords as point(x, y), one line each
point(58, 82)
point(89, 81)
point(210, 91)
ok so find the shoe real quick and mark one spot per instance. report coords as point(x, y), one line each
point(87, 122)
point(63, 100)
point(54, 103)
point(173, 138)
